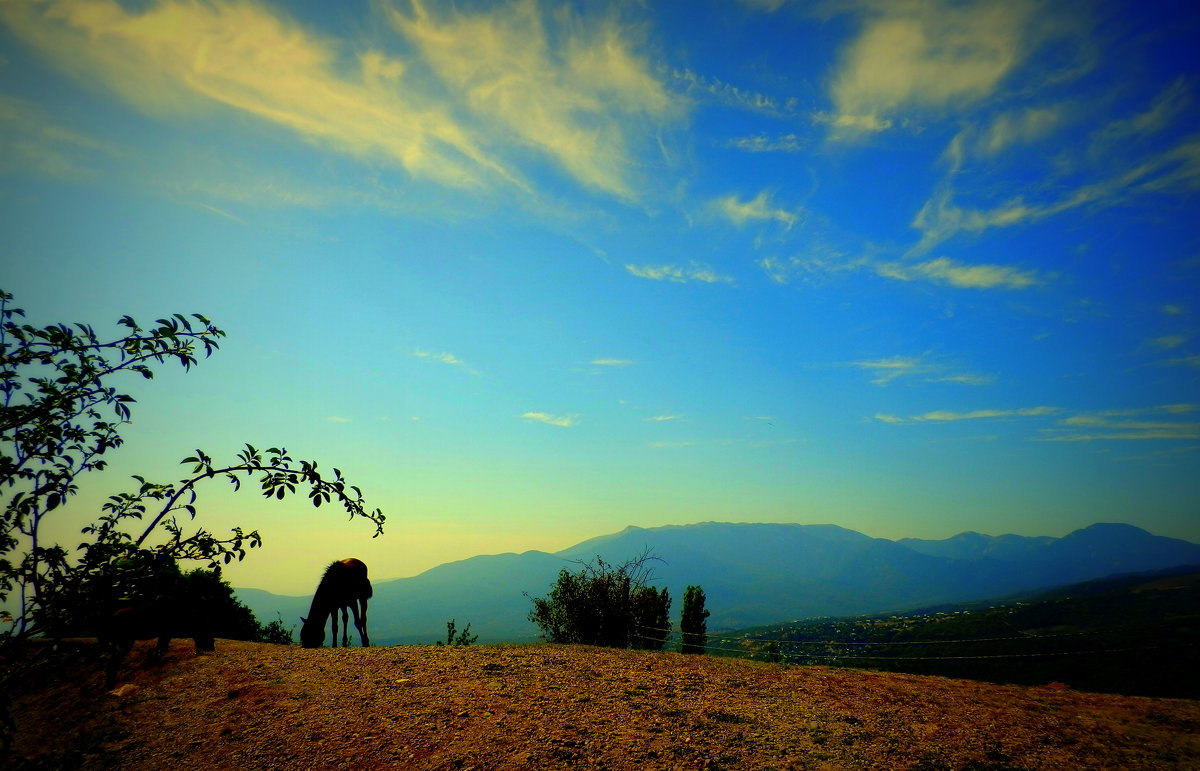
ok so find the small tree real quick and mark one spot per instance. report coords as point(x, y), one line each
point(593, 606)
point(651, 610)
point(693, 628)
point(455, 636)
point(60, 415)
point(276, 633)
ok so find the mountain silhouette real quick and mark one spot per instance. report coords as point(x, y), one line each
point(753, 574)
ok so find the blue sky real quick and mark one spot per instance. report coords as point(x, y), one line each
point(532, 272)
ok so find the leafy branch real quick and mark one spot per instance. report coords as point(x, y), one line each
point(60, 414)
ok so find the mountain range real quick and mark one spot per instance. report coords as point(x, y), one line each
point(752, 574)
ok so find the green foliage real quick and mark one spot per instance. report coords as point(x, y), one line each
point(60, 415)
point(596, 604)
point(693, 626)
point(276, 633)
point(651, 611)
point(462, 637)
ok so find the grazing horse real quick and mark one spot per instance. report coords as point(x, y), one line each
point(163, 617)
point(343, 587)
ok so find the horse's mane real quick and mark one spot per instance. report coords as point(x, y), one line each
point(329, 577)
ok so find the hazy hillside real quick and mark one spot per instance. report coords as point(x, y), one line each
point(754, 574)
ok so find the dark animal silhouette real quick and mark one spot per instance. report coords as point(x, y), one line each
point(344, 587)
point(163, 617)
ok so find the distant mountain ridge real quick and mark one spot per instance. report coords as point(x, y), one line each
point(754, 574)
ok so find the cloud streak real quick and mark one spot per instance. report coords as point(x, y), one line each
point(1107, 425)
point(561, 421)
point(679, 274)
point(444, 358)
point(888, 369)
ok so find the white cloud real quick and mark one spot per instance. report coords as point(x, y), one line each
point(758, 208)
point(562, 421)
point(613, 362)
point(664, 418)
point(925, 56)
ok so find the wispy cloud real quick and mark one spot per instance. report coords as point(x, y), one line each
point(664, 418)
point(1161, 113)
point(755, 209)
point(762, 143)
point(336, 419)
point(562, 421)
point(1160, 422)
point(1174, 170)
point(1125, 425)
point(946, 416)
point(444, 358)
point(1117, 167)
point(1006, 130)
point(951, 416)
point(824, 263)
point(1168, 342)
point(554, 83)
point(891, 368)
point(180, 57)
point(520, 80)
point(679, 274)
point(961, 275)
point(34, 142)
point(613, 362)
point(709, 89)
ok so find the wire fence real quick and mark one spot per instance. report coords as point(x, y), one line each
point(785, 650)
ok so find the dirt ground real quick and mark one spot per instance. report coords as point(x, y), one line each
point(256, 706)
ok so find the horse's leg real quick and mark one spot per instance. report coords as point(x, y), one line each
point(333, 620)
point(360, 620)
point(345, 627)
point(118, 650)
